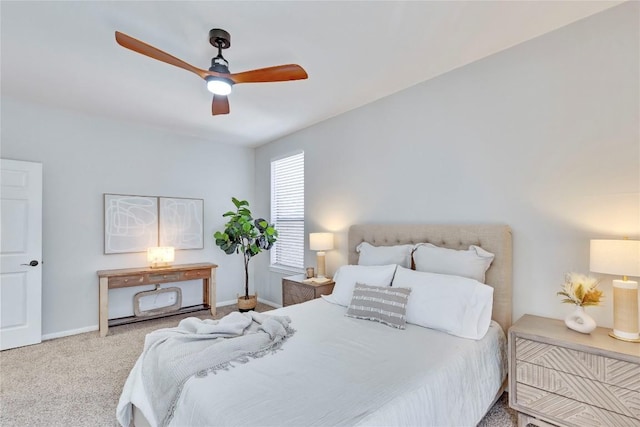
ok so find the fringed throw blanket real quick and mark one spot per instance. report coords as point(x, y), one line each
point(197, 347)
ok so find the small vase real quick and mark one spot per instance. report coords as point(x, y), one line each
point(580, 321)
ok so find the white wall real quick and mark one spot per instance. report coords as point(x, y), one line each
point(542, 137)
point(84, 157)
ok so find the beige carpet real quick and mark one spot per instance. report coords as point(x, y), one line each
point(76, 381)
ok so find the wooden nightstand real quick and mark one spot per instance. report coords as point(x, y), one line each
point(295, 291)
point(566, 378)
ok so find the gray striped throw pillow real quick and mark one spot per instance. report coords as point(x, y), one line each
point(383, 304)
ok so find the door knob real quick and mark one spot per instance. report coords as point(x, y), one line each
point(33, 263)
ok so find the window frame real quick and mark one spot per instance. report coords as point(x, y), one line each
point(276, 218)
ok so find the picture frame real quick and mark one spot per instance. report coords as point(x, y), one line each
point(130, 223)
point(181, 222)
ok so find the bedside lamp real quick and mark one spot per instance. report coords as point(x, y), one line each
point(160, 256)
point(321, 242)
point(620, 257)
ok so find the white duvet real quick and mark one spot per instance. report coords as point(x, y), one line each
point(336, 370)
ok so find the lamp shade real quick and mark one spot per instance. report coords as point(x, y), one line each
point(619, 257)
point(320, 241)
point(160, 256)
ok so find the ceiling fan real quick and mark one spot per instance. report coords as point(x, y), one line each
point(219, 79)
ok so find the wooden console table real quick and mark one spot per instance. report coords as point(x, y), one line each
point(127, 277)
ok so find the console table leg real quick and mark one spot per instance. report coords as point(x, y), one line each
point(104, 306)
point(212, 292)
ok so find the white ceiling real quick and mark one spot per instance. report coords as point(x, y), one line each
point(64, 54)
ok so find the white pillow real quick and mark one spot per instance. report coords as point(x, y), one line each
point(348, 275)
point(456, 305)
point(472, 263)
point(384, 255)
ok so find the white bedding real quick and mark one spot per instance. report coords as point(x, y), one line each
point(337, 370)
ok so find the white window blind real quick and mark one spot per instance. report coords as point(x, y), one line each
point(287, 211)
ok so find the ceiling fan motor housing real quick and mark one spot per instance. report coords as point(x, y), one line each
point(219, 65)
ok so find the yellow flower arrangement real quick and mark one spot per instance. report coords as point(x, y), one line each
point(580, 289)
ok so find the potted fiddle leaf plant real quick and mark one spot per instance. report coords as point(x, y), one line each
point(248, 236)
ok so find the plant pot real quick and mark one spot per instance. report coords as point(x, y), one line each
point(247, 303)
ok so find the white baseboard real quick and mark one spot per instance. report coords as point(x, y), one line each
point(223, 303)
point(70, 332)
point(271, 303)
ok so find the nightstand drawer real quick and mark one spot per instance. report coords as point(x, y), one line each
point(570, 412)
point(617, 399)
point(599, 368)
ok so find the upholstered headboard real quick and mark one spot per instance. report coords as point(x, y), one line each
point(493, 238)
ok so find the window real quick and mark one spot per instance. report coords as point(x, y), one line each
point(287, 211)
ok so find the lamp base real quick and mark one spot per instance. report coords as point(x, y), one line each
point(320, 265)
point(625, 311)
point(611, 334)
point(160, 265)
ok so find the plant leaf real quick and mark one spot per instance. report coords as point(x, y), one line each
point(239, 203)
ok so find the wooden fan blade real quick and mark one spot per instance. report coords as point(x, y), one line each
point(155, 53)
point(279, 73)
point(220, 105)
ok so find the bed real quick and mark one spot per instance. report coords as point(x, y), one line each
point(338, 370)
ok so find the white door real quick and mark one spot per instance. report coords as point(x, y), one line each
point(20, 253)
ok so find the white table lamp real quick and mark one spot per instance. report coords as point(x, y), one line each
point(160, 256)
point(321, 242)
point(620, 257)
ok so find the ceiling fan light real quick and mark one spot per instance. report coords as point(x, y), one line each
point(218, 86)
